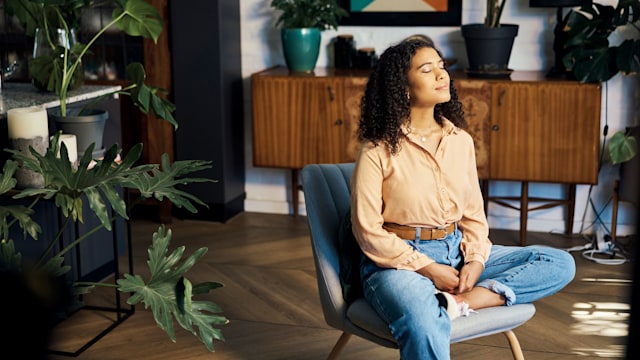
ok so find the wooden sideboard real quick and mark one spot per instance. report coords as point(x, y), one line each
point(526, 128)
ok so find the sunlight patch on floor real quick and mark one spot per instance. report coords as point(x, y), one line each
point(612, 351)
point(608, 281)
point(600, 318)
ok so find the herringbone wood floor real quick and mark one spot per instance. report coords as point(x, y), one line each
point(271, 299)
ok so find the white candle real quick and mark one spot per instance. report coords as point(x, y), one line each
point(27, 123)
point(28, 128)
point(72, 146)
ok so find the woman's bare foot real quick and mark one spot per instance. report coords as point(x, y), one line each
point(480, 297)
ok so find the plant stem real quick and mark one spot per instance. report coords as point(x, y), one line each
point(67, 74)
point(85, 283)
point(78, 240)
point(53, 242)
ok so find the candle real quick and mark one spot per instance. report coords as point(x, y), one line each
point(69, 140)
point(28, 128)
point(28, 123)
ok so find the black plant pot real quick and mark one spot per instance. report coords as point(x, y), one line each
point(88, 127)
point(489, 49)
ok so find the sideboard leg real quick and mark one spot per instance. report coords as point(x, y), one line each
point(295, 187)
point(524, 212)
point(571, 208)
point(485, 195)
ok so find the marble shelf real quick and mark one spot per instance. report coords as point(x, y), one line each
point(14, 95)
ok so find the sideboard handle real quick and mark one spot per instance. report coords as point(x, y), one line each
point(338, 122)
point(495, 127)
point(501, 95)
point(332, 94)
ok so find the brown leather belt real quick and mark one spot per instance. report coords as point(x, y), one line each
point(409, 232)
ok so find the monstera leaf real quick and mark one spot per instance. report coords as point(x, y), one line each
point(589, 54)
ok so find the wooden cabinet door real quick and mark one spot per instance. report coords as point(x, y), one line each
point(475, 96)
point(545, 132)
point(297, 120)
point(354, 88)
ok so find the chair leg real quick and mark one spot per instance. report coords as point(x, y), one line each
point(516, 350)
point(340, 344)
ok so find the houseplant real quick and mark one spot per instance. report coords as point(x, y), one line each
point(489, 44)
point(61, 68)
point(302, 22)
point(592, 58)
point(167, 292)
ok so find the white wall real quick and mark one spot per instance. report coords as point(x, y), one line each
point(268, 190)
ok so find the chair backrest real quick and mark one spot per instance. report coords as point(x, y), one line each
point(327, 199)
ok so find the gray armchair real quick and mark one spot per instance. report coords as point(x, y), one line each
point(326, 191)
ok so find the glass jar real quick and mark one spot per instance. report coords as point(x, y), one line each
point(366, 58)
point(41, 65)
point(343, 52)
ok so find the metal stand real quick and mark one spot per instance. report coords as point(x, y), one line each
point(122, 312)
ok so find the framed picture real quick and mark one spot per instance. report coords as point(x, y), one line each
point(402, 12)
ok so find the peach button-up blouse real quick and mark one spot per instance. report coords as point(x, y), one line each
point(417, 188)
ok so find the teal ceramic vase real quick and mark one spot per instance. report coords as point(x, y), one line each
point(301, 47)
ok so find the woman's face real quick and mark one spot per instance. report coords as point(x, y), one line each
point(428, 79)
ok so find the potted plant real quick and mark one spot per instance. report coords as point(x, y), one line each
point(489, 44)
point(168, 293)
point(592, 59)
point(60, 69)
point(98, 184)
point(302, 22)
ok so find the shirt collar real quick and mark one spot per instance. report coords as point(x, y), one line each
point(448, 126)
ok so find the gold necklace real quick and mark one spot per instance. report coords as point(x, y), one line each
point(424, 136)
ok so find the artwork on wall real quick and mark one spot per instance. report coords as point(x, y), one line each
point(402, 13)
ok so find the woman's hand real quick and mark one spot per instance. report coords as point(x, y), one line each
point(469, 275)
point(444, 277)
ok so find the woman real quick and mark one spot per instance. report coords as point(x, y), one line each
point(418, 215)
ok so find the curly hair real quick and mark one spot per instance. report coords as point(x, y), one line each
point(385, 106)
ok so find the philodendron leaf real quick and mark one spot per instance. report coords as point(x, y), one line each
point(56, 266)
point(7, 181)
point(161, 183)
point(22, 215)
point(10, 260)
point(622, 147)
point(18, 213)
point(169, 294)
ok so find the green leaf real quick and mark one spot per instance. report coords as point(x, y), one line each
point(139, 19)
point(628, 57)
point(56, 267)
point(322, 14)
point(169, 294)
point(10, 260)
point(622, 147)
point(588, 52)
point(147, 97)
point(7, 181)
point(21, 215)
point(161, 183)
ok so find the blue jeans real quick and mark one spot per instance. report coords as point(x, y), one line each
point(406, 301)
